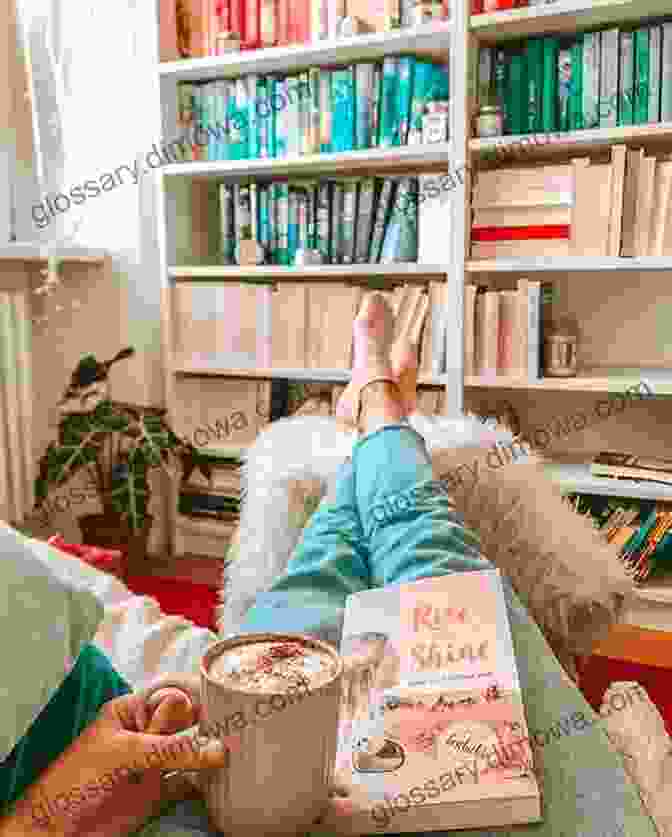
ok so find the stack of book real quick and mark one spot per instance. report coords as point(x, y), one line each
point(597, 79)
point(354, 221)
point(548, 211)
point(628, 466)
point(360, 106)
point(217, 496)
point(200, 28)
point(504, 330)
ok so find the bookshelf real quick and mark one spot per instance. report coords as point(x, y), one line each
point(182, 207)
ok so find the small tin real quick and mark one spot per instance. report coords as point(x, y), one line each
point(490, 121)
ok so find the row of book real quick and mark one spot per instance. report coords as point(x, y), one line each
point(504, 330)
point(202, 28)
point(355, 221)
point(296, 325)
point(641, 529)
point(399, 101)
point(581, 208)
point(599, 79)
point(479, 7)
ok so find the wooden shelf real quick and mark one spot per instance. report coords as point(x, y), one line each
point(578, 479)
point(428, 40)
point(405, 158)
point(204, 526)
point(33, 252)
point(563, 16)
point(325, 273)
point(593, 139)
point(598, 380)
point(569, 265)
point(330, 376)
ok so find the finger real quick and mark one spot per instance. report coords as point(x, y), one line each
point(173, 712)
point(187, 683)
point(186, 751)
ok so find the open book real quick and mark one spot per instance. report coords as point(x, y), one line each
point(432, 733)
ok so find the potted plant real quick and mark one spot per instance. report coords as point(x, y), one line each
point(119, 444)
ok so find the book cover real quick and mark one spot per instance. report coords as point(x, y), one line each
point(433, 709)
point(502, 83)
point(227, 235)
point(400, 243)
point(645, 196)
point(591, 79)
point(576, 92)
point(609, 62)
point(337, 213)
point(655, 56)
point(389, 104)
point(323, 228)
point(626, 83)
point(549, 95)
point(518, 99)
point(641, 81)
point(349, 220)
point(406, 65)
point(508, 324)
point(469, 330)
point(325, 105)
point(564, 87)
point(384, 207)
point(662, 207)
point(375, 104)
point(282, 197)
point(534, 60)
point(433, 350)
point(487, 333)
point(666, 75)
point(364, 85)
point(631, 187)
point(268, 36)
point(365, 219)
point(343, 109)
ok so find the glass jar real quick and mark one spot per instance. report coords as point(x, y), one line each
point(490, 121)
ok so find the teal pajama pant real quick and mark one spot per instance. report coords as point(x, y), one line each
point(392, 523)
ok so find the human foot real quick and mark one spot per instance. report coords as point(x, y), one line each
point(373, 330)
point(404, 360)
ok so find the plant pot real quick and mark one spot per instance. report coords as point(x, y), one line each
point(112, 531)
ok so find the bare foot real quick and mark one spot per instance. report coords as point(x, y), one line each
point(404, 358)
point(373, 330)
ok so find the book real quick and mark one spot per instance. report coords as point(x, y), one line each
point(662, 207)
point(289, 318)
point(609, 88)
point(655, 56)
point(400, 242)
point(591, 79)
point(518, 104)
point(349, 222)
point(626, 82)
point(591, 211)
point(431, 695)
point(549, 96)
point(629, 466)
point(641, 80)
point(645, 196)
point(666, 75)
point(618, 154)
point(508, 328)
point(406, 66)
point(534, 331)
point(364, 122)
point(365, 220)
point(389, 102)
point(331, 309)
point(633, 163)
point(487, 333)
point(534, 60)
point(501, 72)
point(470, 330)
point(538, 248)
point(576, 92)
point(168, 32)
point(433, 347)
point(343, 104)
point(383, 212)
point(326, 121)
point(538, 186)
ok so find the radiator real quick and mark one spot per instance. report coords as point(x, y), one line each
point(17, 465)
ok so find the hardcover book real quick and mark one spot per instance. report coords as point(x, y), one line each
point(628, 466)
point(432, 714)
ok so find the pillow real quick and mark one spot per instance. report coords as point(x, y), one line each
point(47, 620)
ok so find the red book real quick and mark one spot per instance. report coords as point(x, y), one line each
point(252, 38)
point(282, 26)
point(299, 22)
point(543, 231)
point(237, 18)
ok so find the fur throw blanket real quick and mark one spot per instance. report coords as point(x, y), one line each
point(568, 578)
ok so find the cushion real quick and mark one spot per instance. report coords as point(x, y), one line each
point(48, 618)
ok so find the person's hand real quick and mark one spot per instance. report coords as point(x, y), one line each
point(110, 779)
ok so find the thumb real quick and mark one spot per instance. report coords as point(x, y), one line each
point(184, 751)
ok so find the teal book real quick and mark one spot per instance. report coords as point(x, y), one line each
point(576, 91)
point(364, 84)
point(221, 97)
point(375, 105)
point(549, 93)
point(253, 118)
point(626, 78)
point(238, 121)
point(401, 237)
point(534, 59)
point(501, 68)
point(326, 105)
point(273, 232)
point(406, 67)
point(292, 224)
point(641, 86)
point(209, 120)
point(564, 87)
point(323, 233)
point(440, 91)
point(389, 103)
point(264, 119)
point(227, 236)
point(264, 222)
point(314, 111)
point(423, 83)
point(279, 95)
point(343, 109)
point(282, 195)
point(517, 93)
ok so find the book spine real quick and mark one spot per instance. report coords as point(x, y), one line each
point(268, 35)
point(283, 224)
point(655, 55)
point(185, 109)
point(406, 66)
point(376, 99)
point(326, 119)
point(293, 116)
point(314, 114)
point(486, 74)
point(501, 73)
point(323, 221)
point(422, 85)
point(576, 93)
point(609, 78)
point(282, 27)
point(591, 79)
point(292, 225)
point(666, 75)
point(280, 113)
point(365, 219)
point(487, 318)
point(273, 224)
point(221, 126)
point(237, 12)
point(364, 79)
point(349, 220)
point(384, 205)
point(469, 330)
point(626, 85)
point(343, 109)
point(641, 85)
point(401, 238)
point(515, 92)
point(389, 102)
point(252, 117)
point(337, 212)
point(265, 222)
point(534, 331)
point(549, 96)
point(264, 119)
point(252, 24)
point(227, 235)
point(564, 88)
point(534, 62)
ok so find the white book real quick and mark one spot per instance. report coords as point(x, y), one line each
point(591, 79)
point(253, 118)
point(434, 234)
point(608, 78)
point(533, 330)
point(626, 81)
point(469, 330)
point(655, 54)
point(487, 333)
point(293, 116)
point(666, 75)
point(662, 207)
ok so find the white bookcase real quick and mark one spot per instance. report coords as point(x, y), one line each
point(607, 294)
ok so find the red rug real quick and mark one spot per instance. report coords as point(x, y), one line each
point(177, 597)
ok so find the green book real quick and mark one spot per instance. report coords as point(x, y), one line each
point(534, 59)
point(406, 74)
point(641, 85)
point(626, 78)
point(517, 93)
point(423, 81)
point(343, 109)
point(282, 195)
point(401, 237)
point(389, 104)
point(549, 94)
point(576, 91)
point(375, 104)
point(501, 74)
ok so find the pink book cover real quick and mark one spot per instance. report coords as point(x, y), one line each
point(299, 21)
point(432, 712)
point(506, 361)
point(168, 30)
